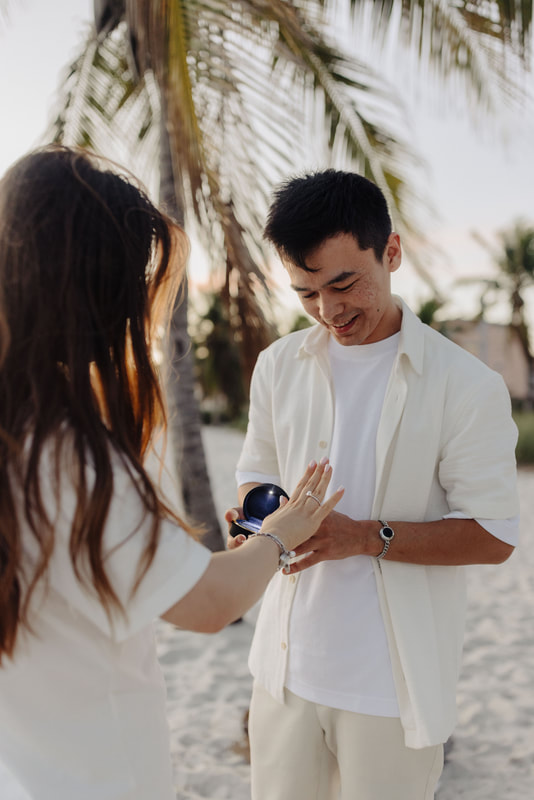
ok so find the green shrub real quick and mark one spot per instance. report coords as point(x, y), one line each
point(525, 445)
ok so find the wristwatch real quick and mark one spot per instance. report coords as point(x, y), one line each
point(387, 535)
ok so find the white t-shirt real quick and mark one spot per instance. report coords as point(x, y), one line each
point(339, 654)
point(82, 704)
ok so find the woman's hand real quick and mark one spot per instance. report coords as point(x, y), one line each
point(233, 582)
point(298, 518)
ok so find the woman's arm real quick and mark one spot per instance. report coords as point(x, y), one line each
point(235, 580)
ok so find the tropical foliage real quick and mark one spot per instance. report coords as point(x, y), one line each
point(516, 263)
point(218, 369)
point(514, 259)
point(250, 88)
point(525, 444)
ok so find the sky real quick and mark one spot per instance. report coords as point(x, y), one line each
point(479, 178)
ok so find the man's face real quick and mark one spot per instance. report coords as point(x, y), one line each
point(349, 290)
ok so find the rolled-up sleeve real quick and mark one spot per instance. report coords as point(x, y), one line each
point(477, 468)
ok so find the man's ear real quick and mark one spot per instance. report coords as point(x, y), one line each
point(393, 252)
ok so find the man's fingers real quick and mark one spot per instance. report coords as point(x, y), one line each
point(231, 514)
point(303, 563)
point(233, 542)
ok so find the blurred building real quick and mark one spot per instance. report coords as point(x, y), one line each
point(498, 346)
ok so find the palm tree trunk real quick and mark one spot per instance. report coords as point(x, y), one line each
point(184, 413)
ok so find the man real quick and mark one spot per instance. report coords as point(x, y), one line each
point(356, 651)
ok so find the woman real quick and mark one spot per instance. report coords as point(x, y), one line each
point(90, 551)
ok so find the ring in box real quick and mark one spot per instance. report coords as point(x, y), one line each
point(261, 501)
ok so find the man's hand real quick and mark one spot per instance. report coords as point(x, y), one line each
point(230, 516)
point(237, 513)
point(336, 538)
point(443, 542)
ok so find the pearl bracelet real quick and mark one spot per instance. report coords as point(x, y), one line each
point(285, 555)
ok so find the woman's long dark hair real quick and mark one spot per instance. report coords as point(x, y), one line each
point(87, 263)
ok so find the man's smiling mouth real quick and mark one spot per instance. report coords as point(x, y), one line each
point(345, 324)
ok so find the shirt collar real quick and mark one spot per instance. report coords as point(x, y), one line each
point(411, 342)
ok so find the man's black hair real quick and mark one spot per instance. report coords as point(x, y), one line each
point(308, 210)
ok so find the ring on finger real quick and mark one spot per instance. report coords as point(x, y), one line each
point(310, 494)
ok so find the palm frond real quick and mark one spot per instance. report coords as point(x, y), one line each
point(509, 22)
point(363, 120)
point(481, 43)
point(241, 84)
point(517, 253)
point(107, 14)
point(102, 107)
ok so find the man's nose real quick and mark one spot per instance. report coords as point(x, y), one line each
point(329, 307)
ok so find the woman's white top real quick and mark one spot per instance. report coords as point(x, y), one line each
point(82, 703)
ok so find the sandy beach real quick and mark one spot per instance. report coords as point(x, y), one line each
point(491, 756)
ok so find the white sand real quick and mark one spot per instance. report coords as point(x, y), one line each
point(492, 754)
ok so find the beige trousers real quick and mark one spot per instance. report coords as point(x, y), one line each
point(304, 751)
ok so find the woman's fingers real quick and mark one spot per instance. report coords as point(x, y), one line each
point(314, 490)
point(315, 485)
point(302, 484)
point(295, 521)
point(315, 482)
point(321, 480)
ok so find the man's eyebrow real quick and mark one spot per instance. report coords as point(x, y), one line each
point(337, 279)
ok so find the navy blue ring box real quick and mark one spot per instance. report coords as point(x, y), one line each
point(261, 501)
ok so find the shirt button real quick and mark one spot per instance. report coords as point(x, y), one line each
point(293, 578)
point(283, 646)
point(323, 444)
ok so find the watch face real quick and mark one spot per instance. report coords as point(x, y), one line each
point(387, 533)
